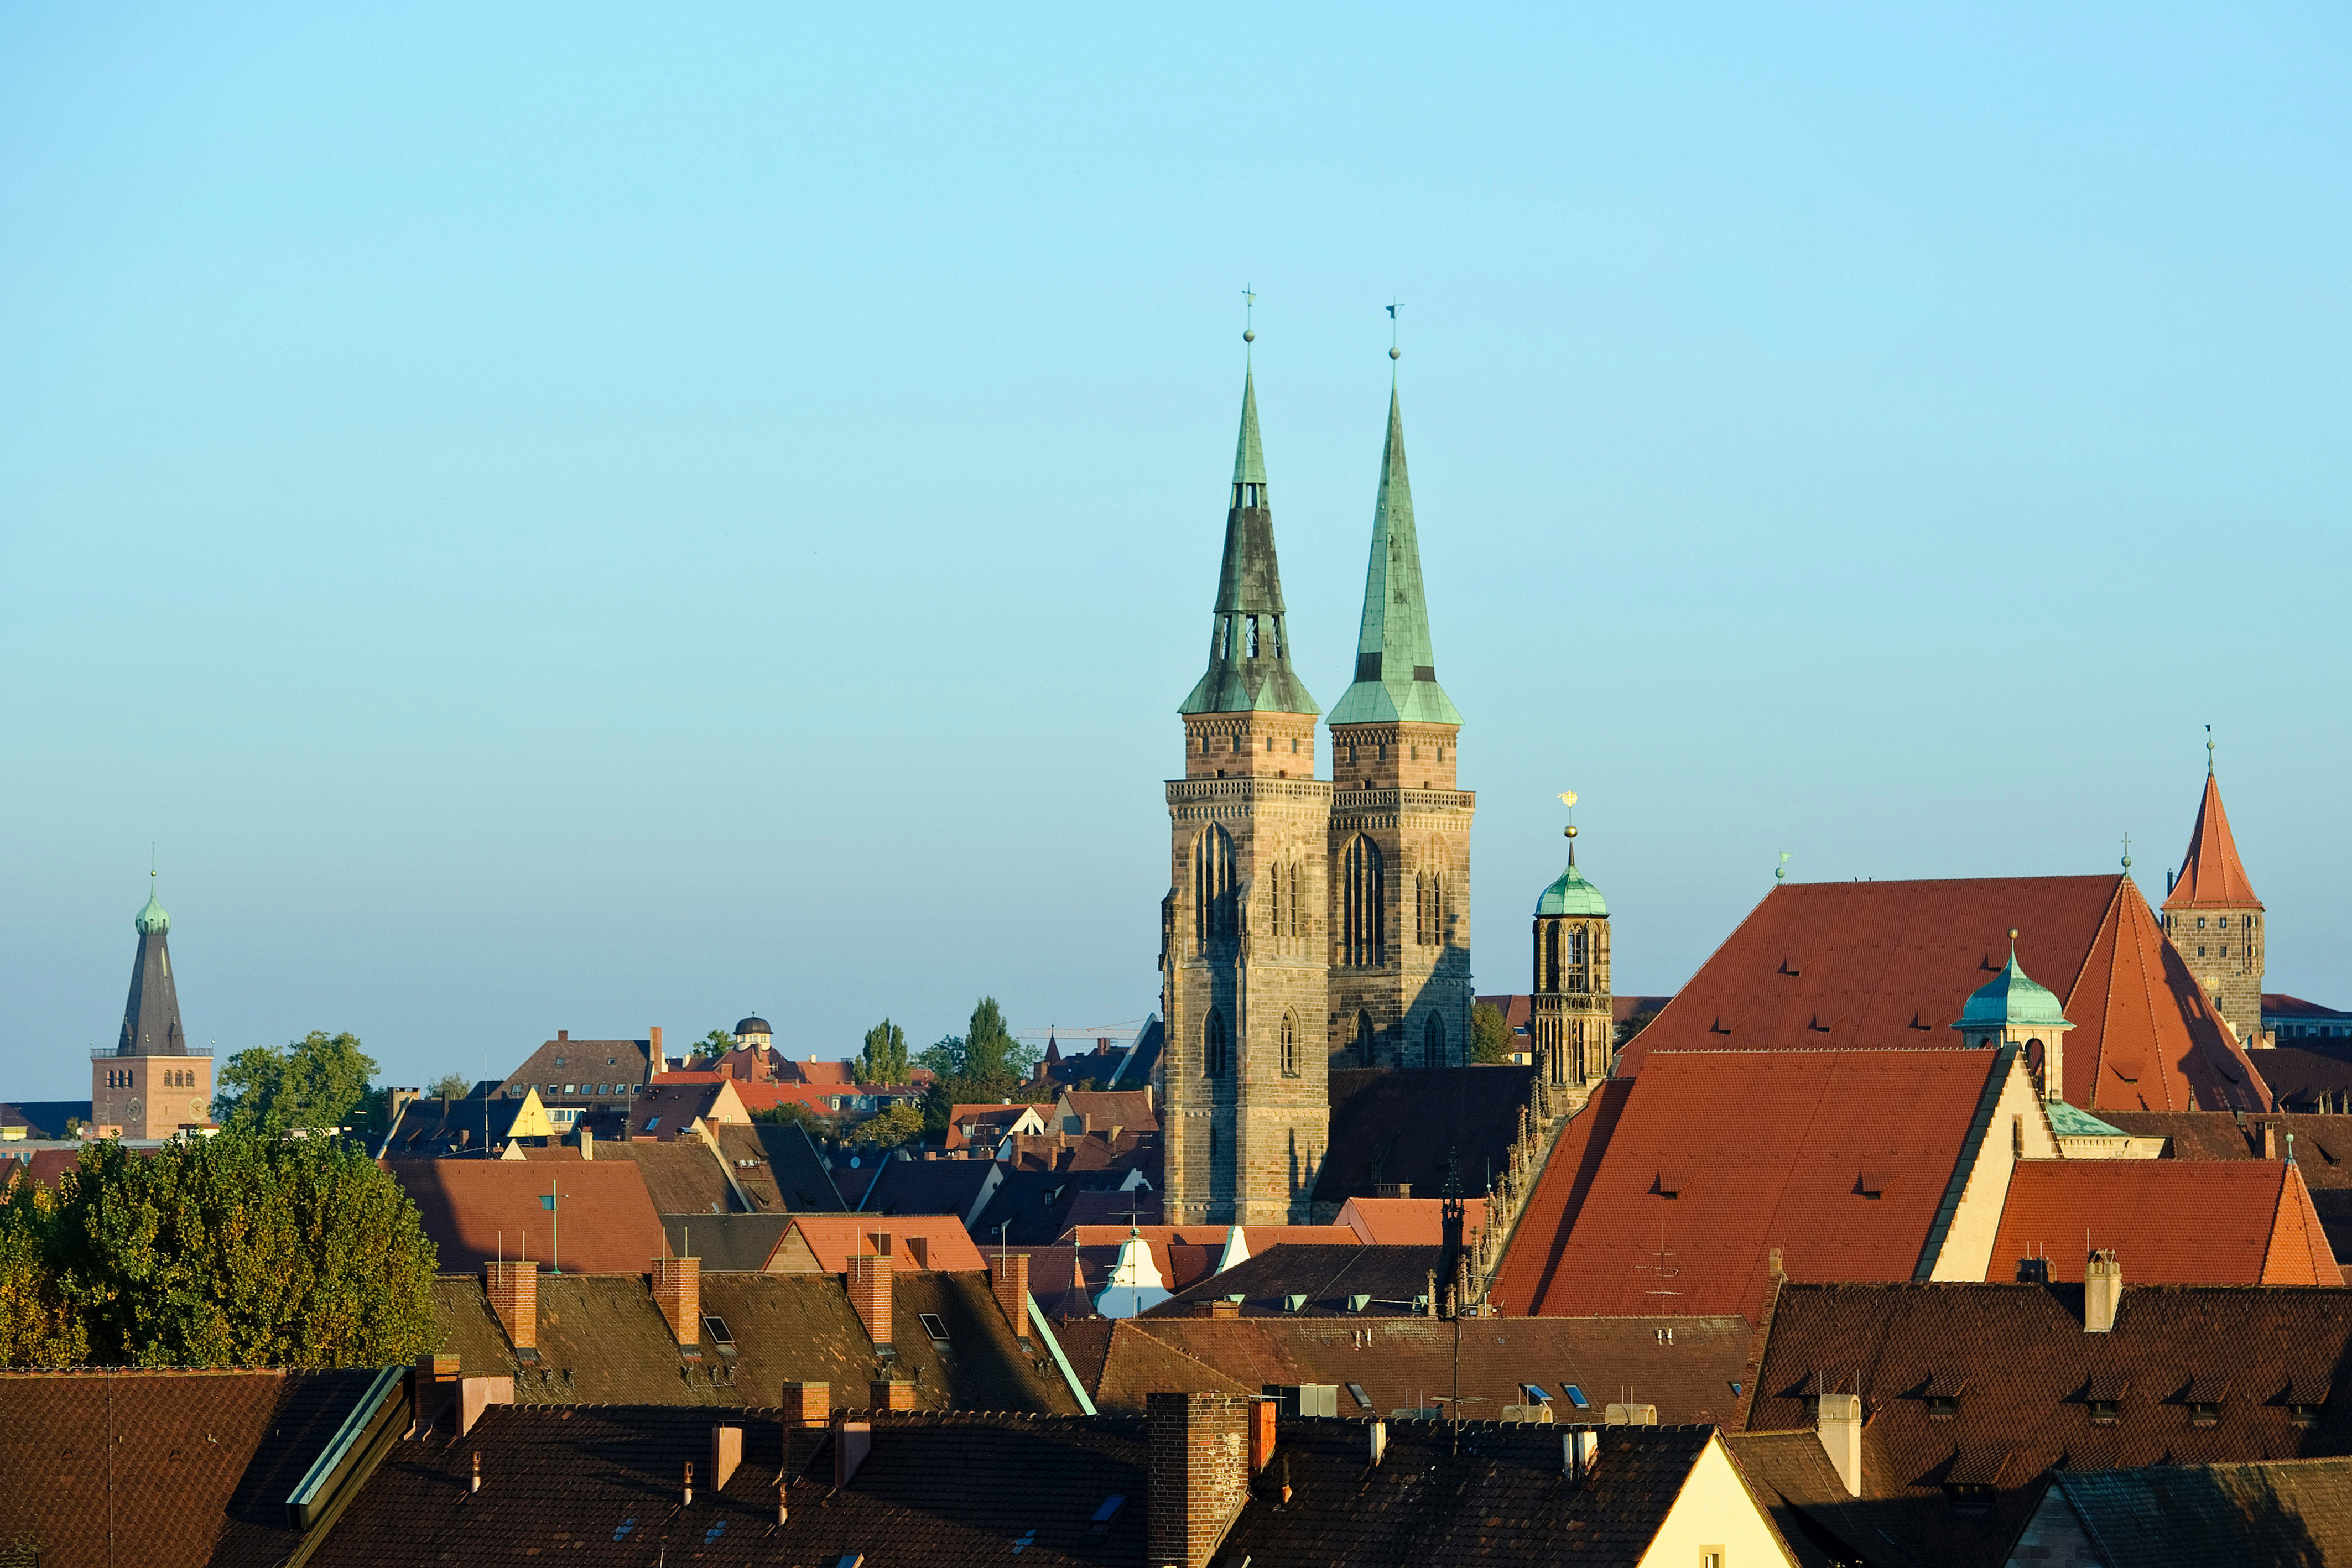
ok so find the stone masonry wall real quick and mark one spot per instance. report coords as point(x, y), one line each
point(2226, 959)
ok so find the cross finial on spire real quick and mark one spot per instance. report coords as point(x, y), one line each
point(1394, 352)
point(2209, 751)
point(1249, 317)
point(2126, 852)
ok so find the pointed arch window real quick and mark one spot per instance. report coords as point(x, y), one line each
point(1364, 1038)
point(1217, 1046)
point(1363, 934)
point(1214, 915)
point(1433, 1042)
point(1551, 958)
point(1290, 1045)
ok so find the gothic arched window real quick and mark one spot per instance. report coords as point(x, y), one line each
point(1213, 885)
point(1433, 1042)
point(1217, 1046)
point(1362, 933)
point(1551, 959)
point(1364, 1040)
point(1290, 1045)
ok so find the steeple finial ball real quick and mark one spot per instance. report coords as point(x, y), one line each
point(1396, 353)
point(2013, 932)
point(1569, 831)
point(1249, 335)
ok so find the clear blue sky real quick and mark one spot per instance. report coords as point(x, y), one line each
point(586, 518)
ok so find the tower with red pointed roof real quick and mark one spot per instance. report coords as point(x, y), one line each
point(2214, 918)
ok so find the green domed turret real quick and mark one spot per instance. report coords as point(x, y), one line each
point(2011, 999)
point(1571, 894)
point(151, 920)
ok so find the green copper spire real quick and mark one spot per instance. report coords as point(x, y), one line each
point(1396, 672)
point(151, 921)
point(1249, 636)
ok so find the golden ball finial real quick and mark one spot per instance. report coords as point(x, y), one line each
point(1569, 831)
point(2013, 932)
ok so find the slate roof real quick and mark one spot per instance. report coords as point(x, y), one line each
point(1408, 1122)
point(478, 1126)
point(1400, 1361)
point(479, 1210)
point(2181, 1222)
point(1889, 965)
point(666, 1110)
point(1761, 1150)
point(161, 1468)
point(1038, 1205)
point(2308, 1077)
point(1241, 678)
point(778, 1168)
point(683, 1178)
point(1330, 1277)
point(2191, 1516)
point(727, 1243)
point(2024, 1373)
point(929, 1186)
point(2212, 876)
point(1408, 1221)
point(151, 1013)
point(602, 1341)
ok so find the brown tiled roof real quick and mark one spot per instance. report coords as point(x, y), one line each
point(602, 1341)
point(666, 1110)
point(1518, 1011)
point(683, 1178)
point(1411, 1123)
point(1105, 1108)
point(621, 1062)
point(2026, 1371)
point(161, 1468)
point(837, 1074)
point(727, 1243)
point(605, 1482)
point(479, 1210)
point(2191, 1516)
point(2178, 1222)
point(778, 1168)
point(1761, 1150)
point(1880, 964)
point(2212, 875)
point(1408, 1221)
point(2187, 1134)
point(929, 1186)
point(1400, 1361)
point(430, 1127)
point(1785, 1468)
point(2304, 1078)
point(1328, 1276)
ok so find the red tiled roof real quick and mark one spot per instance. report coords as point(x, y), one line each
point(2212, 875)
point(1406, 1221)
point(2169, 1222)
point(836, 1238)
point(813, 1071)
point(768, 1096)
point(1890, 964)
point(1762, 1150)
point(475, 1211)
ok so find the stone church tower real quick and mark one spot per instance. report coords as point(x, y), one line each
point(151, 1085)
point(1572, 1028)
point(1400, 831)
point(2214, 919)
point(1242, 954)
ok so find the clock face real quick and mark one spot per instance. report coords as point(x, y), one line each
point(132, 1106)
point(197, 1109)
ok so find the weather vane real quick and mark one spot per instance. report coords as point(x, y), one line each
point(1249, 313)
point(1568, 798)
point(2126, 852)
point(1780, 872)
point(1393, 306)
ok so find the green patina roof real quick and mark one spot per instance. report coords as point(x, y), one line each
point(2068, 1121)
point(1396, 672)
point(2010, 999)
point(151, 920)
point(1571, 894)
point(1249, 594)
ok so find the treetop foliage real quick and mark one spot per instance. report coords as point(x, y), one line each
point(1491, 1039)
point(984, 1063)
point(317, 1082)
point(884, 1060)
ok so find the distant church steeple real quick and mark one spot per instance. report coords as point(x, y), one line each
point(1396, 669)
point(1249, 637)
point(150, 1017)
point(2214, 918)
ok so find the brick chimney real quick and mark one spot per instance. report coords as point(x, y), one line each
point(807, 1404)
point(1199, 1474)
point(2103, 1291)
point(1008, 1277)
point(1216, 1307)
point(513, 1289)
point(892, 1393)
point(869, 1295)
point(655, 1061)
point(1839, 1426)
point(2270, 1141)
point(678, 1291)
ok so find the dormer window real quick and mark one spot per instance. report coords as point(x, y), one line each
point(2107, 1412)
point(1943, 1407)
point(2204, 1412)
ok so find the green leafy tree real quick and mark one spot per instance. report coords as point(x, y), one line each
point(715, 1044)
point(244, 1249)
point(1491, 1039)
point(316, 1081)
point(798, 1115)
point(884, 1060)
point(38, 1327)
point(450, 1086)
point(981, 1065)
point(899, 1122)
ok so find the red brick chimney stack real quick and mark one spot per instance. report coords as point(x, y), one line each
point(893, 1393)
point(807, 1404)
point(513, 1289)
point(1199, 1474)
point(677, 1291)
point(869, 1293)
point(1008, 1276)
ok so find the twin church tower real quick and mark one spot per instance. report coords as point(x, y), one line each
point(1310, 923)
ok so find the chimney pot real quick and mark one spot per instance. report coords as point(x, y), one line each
point(1839, 1426)
point(2103, 1291)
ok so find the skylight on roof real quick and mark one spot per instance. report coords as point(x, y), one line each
point(1576, 1397)
point(716, 1326)
point(653, 1122)
point(934, 1326)
point(1356, 1392)
point(1536, 1390)
point(1109, 1509)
